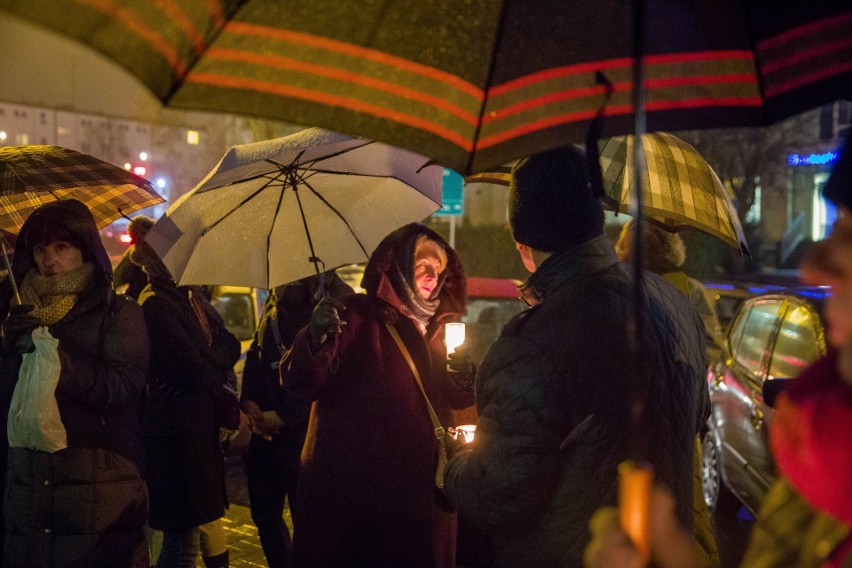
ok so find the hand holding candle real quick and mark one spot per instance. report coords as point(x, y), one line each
point(459, 364)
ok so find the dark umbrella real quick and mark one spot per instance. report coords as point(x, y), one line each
point(471, 84)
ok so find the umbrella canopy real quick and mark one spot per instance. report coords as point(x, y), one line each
point(280, 210)
point(31, 176)
point(679, 188)
point(471, 84)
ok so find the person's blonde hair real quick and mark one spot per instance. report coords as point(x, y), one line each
point(659, 243)
point(424, 242)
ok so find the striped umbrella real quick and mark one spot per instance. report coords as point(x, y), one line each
point(679, 188)
point(471, 84)
point(31, 176)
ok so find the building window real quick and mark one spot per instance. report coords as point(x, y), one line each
point(844, 112)
point(826, 122)
point(192, 137)
point(22, 139)
point(824, 212)
point(753, 215)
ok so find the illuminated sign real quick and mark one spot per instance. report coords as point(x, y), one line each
point(811, 159)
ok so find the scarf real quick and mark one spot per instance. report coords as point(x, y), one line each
point(54, 296)
point(413, 306)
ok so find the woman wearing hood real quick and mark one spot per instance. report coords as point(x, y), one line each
point(84, 505)
point(367, 491)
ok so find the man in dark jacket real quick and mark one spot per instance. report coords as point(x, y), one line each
point(279, 420)
point(553, 393)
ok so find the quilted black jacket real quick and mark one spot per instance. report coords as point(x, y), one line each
point(554, 366)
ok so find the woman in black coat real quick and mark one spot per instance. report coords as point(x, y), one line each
point(85, 505)
point(192, 355)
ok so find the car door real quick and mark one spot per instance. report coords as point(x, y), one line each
point(798, 343)
point(732, 393)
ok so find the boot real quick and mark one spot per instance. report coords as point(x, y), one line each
point(218, 561)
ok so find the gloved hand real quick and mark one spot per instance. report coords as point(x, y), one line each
point(460, 366)
point(455, 444)
point(18, 330)
point(325, 321)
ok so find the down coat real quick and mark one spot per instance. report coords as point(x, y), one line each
point(553, 367)
point(367, 494)
point(86, 505)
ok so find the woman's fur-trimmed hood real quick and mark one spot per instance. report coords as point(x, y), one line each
point(453, 294)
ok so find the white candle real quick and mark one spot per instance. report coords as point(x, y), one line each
point(453, 336)
point(466, 432)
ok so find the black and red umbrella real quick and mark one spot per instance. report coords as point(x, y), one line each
point(471, 84)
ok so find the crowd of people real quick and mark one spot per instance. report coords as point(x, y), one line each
point(350, 399)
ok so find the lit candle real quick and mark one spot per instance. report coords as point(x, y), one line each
point(453, 336)
point(466, 431)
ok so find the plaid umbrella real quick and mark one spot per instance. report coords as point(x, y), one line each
point(31, 176)
point(679, 188)
point(471, 84)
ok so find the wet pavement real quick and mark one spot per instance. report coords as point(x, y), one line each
point(732, 526)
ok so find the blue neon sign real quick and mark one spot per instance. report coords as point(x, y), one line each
point(811, 159)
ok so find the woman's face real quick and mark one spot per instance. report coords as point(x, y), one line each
point(427, 267)
point(57, 257)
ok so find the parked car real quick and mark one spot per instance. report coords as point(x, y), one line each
point(491, 302)
point(773, 337)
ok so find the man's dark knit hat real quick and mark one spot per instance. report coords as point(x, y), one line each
point(551, 202)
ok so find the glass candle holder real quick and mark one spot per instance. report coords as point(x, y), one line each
point(453, 336)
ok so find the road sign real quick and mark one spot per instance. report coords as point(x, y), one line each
point(452, 202)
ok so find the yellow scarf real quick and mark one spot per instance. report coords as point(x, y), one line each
point(54, 296)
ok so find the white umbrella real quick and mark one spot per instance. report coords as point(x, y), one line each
point(277, 211)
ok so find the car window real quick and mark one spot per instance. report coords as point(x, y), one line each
point(751, 337)
point(797, 345)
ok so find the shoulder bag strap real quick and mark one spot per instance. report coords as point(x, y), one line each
point(439, 430)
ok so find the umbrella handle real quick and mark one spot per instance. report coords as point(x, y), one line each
point(9, 268)
point(635, 482)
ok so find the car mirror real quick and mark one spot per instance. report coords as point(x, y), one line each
point(772, 388)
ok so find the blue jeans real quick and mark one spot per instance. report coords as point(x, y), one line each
point(180, 549)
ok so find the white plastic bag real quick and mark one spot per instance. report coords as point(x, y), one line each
point(34, 420)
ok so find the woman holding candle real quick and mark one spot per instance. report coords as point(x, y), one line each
point(367, 489)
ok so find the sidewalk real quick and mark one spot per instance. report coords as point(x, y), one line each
point(241, 533)
point(242, 539)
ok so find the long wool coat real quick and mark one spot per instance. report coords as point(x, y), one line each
point(367, 494)
point(184, 467)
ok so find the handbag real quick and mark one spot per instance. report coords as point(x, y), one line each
point(34, 420)
point(438, 429)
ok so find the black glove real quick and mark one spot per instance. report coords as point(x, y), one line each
point(18, 330)
point(460, 366)
point(325, 321)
